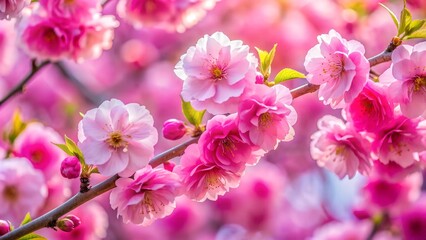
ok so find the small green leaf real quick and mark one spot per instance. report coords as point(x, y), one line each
point(193, 116)
point(404, 21)
point(32, 236)
point(17, 126)
point(27, 219)
point(417, 34)
point(265, 59)
point(414, 26)
point(64, 148)
point(74, 149)
point(287, 74)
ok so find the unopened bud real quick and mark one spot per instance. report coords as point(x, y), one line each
point(65, 224)
point(259, 78)
point(71, 167)
point(76, 221)
point(4, 227)
point(169, 166)
point(174, 129)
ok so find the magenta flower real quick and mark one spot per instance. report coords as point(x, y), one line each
point(222, 145)
point(22, 189)
point(266, 117)
point(117, 138)
point(216, 72)
point(400, 141)
point(413, 221)
point(11, 8)
point(409, 70)
point(204, 180)
point(146, 198)
point(35, 144)
point(75, 10)
point(371, 109)
point(339, 66)
point(340, 149)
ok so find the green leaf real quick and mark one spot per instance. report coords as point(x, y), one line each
point(393, 16)
point(17, 126)
point(404, 20)
point(265, 59)
point(193, 116)
point(417, 34)
point(64, 148)
point(32, 236)
point(74, 149)
point(414, 26)
point(27, 219)
point(287, 74)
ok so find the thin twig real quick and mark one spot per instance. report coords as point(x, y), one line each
point(20, 87)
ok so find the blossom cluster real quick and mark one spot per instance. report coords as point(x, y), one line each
point(54, 30)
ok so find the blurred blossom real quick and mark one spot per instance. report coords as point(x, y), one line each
point(146, 198)
point(75, 10)
point(266, 117)
point(7, 46)
point(343, 230)
point(36, 144)
point(117, 138)
point(22, 189)
point(339, 148)
point(413, 221)
point(11, 8)
point(339, 67)
point(216, 73)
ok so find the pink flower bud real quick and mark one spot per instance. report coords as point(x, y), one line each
point(169, 166)
point(65, 224)
point(76, 220)
point(259, 78)
point(4, 227)
point(173, 129)
point(71, 167)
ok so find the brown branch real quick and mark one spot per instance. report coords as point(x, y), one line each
point(20, 87)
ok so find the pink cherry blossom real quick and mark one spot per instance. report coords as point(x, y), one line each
point(371, 109)
point(266, 117)
point(75, 10)
point(117, 138)
point(216, 72)
point(222, 144)
point(413, 221)
point(409, 70)
point(171, 15)
point(8, 51)
point(146, 198)
point(339, 67)
point(11, 8)
point(36, 144)
point(343, 230)
point(96, 35)
point(22, 189)
point(204, 180)
point(340, 148)
point(400, 141)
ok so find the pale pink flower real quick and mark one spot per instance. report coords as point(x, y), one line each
point(117, 138)
point(340, 149)
point(73, 10)
point(204, 180)
point(371, 109)
point(95, 36)
point(399, 141)
point(22, 189)
point(222, 144)
point(146, 198)
point(343, 230)
point(8, 51)
point(216, 73)
point(36, 144)
point(409, 70)
point(266, 117)
point(45, 38)
point(339, 67)
point(171, 15)
point(12, 8)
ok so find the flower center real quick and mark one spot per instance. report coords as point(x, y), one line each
point(36, 156)
point(419, 82)
point(228, 145)
point(264, 119)
point(11, 193)
point(116, 140)
point(217, 73)
point(340, 150)
point(50, 35)
point(212, 180)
